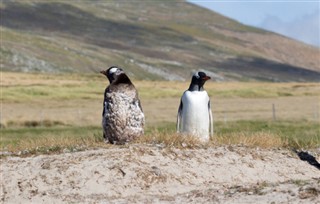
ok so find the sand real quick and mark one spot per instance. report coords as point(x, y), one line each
point(153, 174)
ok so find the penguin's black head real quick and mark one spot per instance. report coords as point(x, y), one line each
point(198, 80)
point(116, 75)
point(112, 73)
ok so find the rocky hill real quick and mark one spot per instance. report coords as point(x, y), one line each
point(162, 40)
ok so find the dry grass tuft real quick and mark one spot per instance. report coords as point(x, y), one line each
point(258, 139)
point(167, 139)
point(49, 144)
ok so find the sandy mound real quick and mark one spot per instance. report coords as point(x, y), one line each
point(144, 174)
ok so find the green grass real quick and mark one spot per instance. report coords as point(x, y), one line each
point(48, 92)
point(30, 87)
point(288, 134)
point(55, 136)
point(264, 90)
point(264, 134)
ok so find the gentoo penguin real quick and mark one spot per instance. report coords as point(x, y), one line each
point(194, 113)
point(122, 115)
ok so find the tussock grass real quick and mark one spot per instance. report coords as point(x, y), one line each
point(293, 134)
point(170, 139)
point(259, 139)
point(33, 123)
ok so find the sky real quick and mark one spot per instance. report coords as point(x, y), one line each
point(297, 19)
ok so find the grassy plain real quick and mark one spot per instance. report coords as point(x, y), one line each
point(52, 113)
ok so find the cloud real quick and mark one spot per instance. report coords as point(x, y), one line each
point(305, 29)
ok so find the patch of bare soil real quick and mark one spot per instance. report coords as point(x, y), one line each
point(153, 174)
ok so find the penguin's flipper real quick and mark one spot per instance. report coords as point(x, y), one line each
point(139, 103)
point(179, 116)
point(210, 118)
point(104, 102)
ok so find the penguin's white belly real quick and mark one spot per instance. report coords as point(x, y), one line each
point(195, 114)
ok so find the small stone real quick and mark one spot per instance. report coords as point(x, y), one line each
point(156, 170)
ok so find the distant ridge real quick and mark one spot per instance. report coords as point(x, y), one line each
point(153, 40)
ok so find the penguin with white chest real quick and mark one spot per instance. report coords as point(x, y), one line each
point(194, 114)
point(122, 116)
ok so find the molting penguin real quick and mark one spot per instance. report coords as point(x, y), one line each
point(122, 116)
point(194, 113)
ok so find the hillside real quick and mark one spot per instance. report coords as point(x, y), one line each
point(163, 40)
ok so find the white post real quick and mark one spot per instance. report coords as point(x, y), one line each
point(274, 112)
point(225, 118)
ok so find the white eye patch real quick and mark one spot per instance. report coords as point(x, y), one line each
point(113, 70)
point(196, 75)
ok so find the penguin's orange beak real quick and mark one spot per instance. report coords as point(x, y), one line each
point(206, 78)
point(104, 72)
